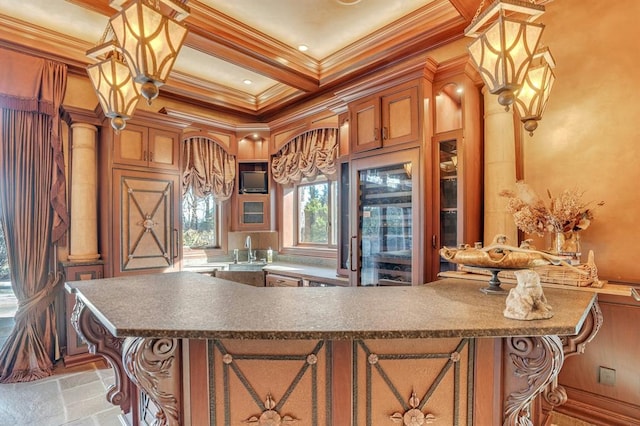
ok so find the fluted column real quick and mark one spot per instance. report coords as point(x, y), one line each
point(499, 169)
point(84, 189)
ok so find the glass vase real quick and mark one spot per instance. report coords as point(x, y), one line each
point(566, 244)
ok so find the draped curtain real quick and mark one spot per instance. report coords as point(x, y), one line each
point(208, 168)
point(32, 206)
point(307, 155)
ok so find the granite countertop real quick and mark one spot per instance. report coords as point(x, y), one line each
point(191, 305)
point(307, 272)
point(322, 274)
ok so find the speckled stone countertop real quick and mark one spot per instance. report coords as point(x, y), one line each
point(191, 305)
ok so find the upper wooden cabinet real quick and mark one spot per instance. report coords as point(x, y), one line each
point(147, 147)
point(388, 118)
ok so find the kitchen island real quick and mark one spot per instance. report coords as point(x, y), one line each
point(209, 351)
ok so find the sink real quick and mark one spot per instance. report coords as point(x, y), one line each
point(255, 266)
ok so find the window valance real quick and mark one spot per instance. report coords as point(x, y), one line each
point(207, 168)
point(313, 152)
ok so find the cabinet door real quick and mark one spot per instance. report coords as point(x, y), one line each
point(163, 149)
point(447, 197)
point(365, 125)
point(253, 212)
point(274, 280)
point(130, 146)
point(400, 117)
point(146, 223)
point(386, 219)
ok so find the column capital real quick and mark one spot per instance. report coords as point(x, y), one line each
point(84, 126)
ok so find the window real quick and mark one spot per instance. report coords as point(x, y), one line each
point(200, 221)
point(315, 204)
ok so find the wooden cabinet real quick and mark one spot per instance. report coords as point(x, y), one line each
point(77, 352)
point(253, 211)
point(252, 202)
point(387, 119)
point(274, 280)
point(457, 164)
point(146, 147)
point(140, 195)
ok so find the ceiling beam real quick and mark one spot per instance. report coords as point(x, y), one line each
point(218, 35)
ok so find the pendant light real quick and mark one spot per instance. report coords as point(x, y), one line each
point(150, 40)
point(506, 40)
point(117, 93)
point(532, 97)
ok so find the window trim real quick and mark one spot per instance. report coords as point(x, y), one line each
point(289, 232)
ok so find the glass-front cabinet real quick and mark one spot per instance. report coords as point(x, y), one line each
point(457, 164)
point(447, 173)
point(386, 222)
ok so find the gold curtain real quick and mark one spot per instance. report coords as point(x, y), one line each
point(207, 168)
point(31, 188)
point(313, 152)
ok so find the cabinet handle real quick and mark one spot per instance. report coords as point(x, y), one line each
point(144, 155)
point(150, 156)
point(351, 266)
point(176, 248)
point(434, 240)
point(376, 132)
point(385, 136)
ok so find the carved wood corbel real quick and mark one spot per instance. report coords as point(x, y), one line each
point(534, 362)
point(556, 394)
point(153, 364)
point(101, 342)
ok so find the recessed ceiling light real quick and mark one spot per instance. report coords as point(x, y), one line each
point(347, 2)
point(303, 47)
point(247, 81)
point(459, 90)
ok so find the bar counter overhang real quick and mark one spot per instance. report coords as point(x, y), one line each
point(210, 351)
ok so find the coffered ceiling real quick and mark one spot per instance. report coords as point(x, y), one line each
point(230, 42)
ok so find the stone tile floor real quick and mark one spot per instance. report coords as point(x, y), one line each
point(72, 396)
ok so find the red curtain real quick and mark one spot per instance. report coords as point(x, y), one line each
point(32, 206)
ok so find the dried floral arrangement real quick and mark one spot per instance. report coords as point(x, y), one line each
point(564, 213)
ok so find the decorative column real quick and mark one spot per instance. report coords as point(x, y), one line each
point(499, 169)
point(84, 189)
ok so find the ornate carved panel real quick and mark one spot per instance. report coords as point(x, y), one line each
point(270, 382)
point(412, 382)
point(146, 206)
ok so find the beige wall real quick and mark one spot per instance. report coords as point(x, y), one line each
point(589, 136)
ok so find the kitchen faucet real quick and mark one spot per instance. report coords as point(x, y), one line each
point(247, 245)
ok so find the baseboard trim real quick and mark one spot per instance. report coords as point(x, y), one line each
point(598, 409)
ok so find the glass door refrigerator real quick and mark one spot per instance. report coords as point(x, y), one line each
point(386, 220)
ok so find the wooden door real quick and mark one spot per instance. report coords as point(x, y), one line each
point(164, 149)
point(146, 219)
point(365, 118)
point(400, 121)
point(130, 146)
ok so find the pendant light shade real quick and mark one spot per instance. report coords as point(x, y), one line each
point(150, 41)
point(532, 97)
point(506, 41)
point(117, 93)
